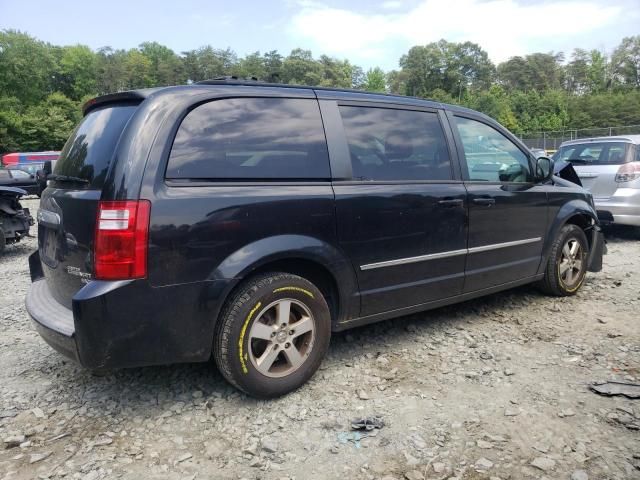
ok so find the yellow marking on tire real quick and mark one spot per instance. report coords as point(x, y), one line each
point(295, 289)
point(243, 358)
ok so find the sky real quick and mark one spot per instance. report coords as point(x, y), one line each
point(367, 32)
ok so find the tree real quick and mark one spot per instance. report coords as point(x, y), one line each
point(358, 78)
point(375, 80)
point(166, 67)
point(111, 70)
point(335, 73)
point(27, 67)
point(452, 67)
point(538, 71)
point(78, 66)
point(46, 126)
point(253, 65)
point(137, 70)
point(586, 72)
point(397, 81)
point(496, 103)
point(626, 62)
point(300, 68)
point(273, 66)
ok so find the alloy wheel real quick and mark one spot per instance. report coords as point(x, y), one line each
point(281, 337)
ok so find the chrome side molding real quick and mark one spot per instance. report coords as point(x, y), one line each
point(447, 254)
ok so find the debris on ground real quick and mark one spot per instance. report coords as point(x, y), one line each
point(629, 390)
point(367, 423)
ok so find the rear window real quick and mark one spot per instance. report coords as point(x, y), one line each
point(88, 152)
point(594, 153)
point(251, 139)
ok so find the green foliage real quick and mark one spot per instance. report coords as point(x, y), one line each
point(626, 62)
point(43, 86)
point(27, 66)
point(46, 126)
point(375, 80)
point(452, 67)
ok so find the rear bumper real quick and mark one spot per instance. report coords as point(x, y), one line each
point(623, 207)
point(127, 323)
point(53, 321)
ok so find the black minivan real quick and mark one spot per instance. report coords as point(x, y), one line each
point(247, 221)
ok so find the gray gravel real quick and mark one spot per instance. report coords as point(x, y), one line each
point(493, 388)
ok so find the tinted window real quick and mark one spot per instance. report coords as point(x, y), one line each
point(388, 144)
point(594, 153)
point(490, 155)
point(251, 138)
point(89, 150)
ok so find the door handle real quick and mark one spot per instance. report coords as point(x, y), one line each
point(484, 201)
point(451, 202)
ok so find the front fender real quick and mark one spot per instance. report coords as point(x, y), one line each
point(240, 264)
point(562, 215)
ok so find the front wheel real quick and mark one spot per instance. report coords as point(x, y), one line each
point(567, 262)
point(272, 334)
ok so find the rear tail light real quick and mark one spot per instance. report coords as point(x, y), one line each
point(121, 238)
point(628, 172)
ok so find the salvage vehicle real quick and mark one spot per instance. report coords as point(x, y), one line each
point(609, 167)
point(246, 221)
point(17, 178)
point(15, 221)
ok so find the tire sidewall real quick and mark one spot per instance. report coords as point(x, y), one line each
point(572, 232)
point(241, 368)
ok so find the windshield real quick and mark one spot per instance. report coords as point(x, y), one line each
point(594, 153)
point(88, 152)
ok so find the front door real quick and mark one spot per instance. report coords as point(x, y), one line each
point(507, 209)
point(402, 216)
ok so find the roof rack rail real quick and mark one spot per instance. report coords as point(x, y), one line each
point(227, 78)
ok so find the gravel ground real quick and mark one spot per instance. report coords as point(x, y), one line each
point(495, 388)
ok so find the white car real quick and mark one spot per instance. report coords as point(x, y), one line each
point(609, 167)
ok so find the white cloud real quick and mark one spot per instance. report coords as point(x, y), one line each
point(501, 27)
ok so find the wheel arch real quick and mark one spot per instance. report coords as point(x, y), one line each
point(574, 212)
point(316, 260)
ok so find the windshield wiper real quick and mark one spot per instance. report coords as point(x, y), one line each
point(66, 178)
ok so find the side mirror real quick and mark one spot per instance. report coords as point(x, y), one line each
point(46, 168)
point(544, 169)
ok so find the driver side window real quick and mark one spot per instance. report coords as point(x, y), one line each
point(490, 156)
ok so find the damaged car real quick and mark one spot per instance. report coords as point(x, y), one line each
point(15, 221)
point(245, 222)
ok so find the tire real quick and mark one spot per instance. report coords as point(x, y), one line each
point(3, 241)
point(565, 271)
point(253, 348)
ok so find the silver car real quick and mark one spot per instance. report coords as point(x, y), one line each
point(609, 167)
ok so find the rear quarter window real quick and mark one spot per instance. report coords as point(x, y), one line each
point(251, 139)
point(88, 152)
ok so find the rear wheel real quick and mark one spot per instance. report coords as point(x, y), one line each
point(272, 334)
point(567, 262)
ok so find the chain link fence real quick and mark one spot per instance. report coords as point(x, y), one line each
point(551, 140)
